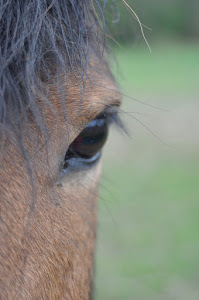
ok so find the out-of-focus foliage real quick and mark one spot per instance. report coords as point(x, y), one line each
point(177, 18)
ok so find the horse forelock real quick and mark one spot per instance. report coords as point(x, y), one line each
point(39, 42)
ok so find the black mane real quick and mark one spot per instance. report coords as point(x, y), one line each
point(39, 40)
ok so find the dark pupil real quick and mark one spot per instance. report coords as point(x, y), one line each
point(90, 141)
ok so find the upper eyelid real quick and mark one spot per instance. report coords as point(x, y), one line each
point(95, 122)
point(111, 114)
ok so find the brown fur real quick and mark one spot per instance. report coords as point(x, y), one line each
point(47, 249)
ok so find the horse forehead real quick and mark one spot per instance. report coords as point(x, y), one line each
point(84, 100)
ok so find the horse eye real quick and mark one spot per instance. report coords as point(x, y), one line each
point(89, 143)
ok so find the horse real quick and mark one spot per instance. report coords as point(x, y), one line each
point(57, 100)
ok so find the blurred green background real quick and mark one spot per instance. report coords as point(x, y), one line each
point(148, 238)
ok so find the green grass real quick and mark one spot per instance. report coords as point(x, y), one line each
point(148, 241)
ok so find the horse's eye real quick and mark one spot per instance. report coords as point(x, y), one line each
point(88, 144)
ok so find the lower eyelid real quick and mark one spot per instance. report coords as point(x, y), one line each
point(80, 164)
